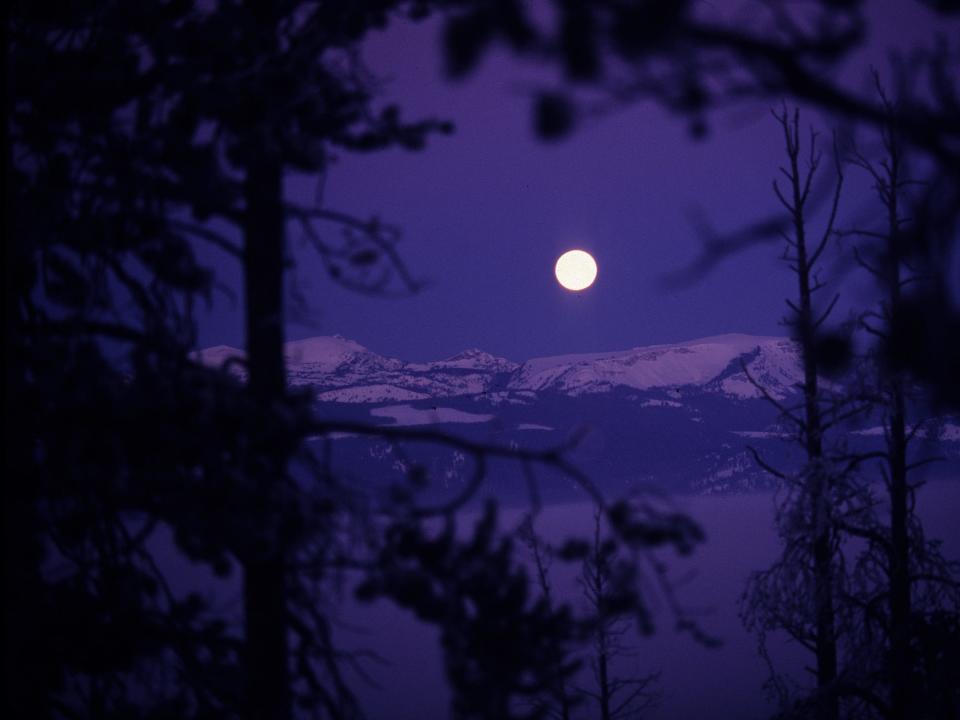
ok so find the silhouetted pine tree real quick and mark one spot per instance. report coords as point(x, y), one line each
point(611, 610)
point(607, 583)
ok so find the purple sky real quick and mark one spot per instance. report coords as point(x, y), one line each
point(486, 211)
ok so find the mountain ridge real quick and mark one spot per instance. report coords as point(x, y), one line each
point(341, 370)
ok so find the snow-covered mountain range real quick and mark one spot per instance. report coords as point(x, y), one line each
point(343, 371)
point(678, 416)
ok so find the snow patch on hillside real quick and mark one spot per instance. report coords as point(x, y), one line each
point(323, 353)
point(409, 415)
point(775, 366)
point(655, 402)
point(218, 355)
point(950, 433)
point(947, 432)
point(370, 394)
point(756, 434)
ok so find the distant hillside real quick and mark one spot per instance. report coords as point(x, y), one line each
point(677, 417)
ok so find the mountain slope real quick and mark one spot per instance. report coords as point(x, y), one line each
point(678, 416)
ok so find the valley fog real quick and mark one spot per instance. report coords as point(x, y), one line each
point(695, 681)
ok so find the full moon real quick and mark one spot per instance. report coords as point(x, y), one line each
point(576, 270)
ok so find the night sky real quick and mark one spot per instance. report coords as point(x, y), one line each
point(486, 211)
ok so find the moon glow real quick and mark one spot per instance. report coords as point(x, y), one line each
point(576, 270)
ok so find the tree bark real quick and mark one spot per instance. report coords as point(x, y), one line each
point(603, 672)
point(266, 660)
point(24, 687)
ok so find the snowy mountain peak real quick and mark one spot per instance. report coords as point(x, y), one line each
point(476, 359)
point(694, 362)
point(217, 356)
point(471, 353)
point(325, 350)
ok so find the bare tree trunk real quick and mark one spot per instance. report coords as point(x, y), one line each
point(603, 672)
point(900, 661)
point(596, 592)
point(805, 323)
point(826, 642)
point(23, 686)
point(888, 183)
point(266, 661)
